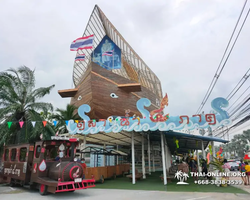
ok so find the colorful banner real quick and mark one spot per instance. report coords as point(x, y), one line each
point(21, 123)
point(107, 54)
point(152, 121)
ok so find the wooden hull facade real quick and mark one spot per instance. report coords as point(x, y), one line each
point(96, 89)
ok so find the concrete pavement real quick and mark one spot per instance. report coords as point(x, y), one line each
point(110, 194)
point(243, 187)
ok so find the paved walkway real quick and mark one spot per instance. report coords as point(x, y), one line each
point(243, 187)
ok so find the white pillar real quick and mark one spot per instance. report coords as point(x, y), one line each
point(104, 157)
point(153, 158)
point(213, 149)
point(143, 156)
point(166, 152)
point(198, 160)
point(84, 145)
point(117, 157)
point(133, 158)
point(163, 159)
point(149, 158)
point(203, 151)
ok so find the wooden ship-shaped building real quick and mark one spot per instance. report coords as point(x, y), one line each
point(111, 84)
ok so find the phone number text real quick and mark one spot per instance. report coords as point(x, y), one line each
point(219, 182)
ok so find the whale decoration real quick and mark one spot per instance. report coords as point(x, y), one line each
point(149, 121)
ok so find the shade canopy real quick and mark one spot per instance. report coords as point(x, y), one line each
point(186, 141)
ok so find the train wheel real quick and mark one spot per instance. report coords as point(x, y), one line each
point(102, 179)
point(43, 189)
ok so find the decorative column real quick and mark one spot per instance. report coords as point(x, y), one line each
point(149, 158)
point(163, 159)
point(133, 157)
point(143, 156)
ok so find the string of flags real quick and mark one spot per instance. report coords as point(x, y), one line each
point(21, 123)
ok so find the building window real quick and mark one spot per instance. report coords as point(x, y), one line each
point(13, 154)
point(38, 151)
point(22, 156)
point(6, 155)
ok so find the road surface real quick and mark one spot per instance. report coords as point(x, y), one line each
point(9, 193)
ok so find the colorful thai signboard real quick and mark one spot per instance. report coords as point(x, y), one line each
point(151, 121)
point(107, 54)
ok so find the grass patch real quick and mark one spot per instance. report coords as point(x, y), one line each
point(153, 182)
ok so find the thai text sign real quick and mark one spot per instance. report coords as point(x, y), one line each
point(151, 120)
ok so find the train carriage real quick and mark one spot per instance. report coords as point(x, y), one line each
point(48, 165)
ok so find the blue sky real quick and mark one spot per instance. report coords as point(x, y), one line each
point(182, 41)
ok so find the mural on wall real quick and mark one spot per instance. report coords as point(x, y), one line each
point(107, 54)
point(152, 121)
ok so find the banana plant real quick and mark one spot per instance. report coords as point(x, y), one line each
point(217, 164)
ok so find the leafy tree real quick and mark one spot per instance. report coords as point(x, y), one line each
point(19, 102)
point(246, 135)
point(64, 115)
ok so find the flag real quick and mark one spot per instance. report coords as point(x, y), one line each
point(82, 43)
point(9, 124)
point(33, 123)
point(108, 53)
point(80, 57)
point(44, 123)
point(21, 124)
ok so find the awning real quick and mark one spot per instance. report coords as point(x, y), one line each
point(186, 141)
point(123, 138)
point(101, 151)
point(118, 152)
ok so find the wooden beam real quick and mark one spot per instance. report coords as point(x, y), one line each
point(68, 92)
point(130, 87)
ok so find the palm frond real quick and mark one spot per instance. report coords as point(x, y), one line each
point(42, 91)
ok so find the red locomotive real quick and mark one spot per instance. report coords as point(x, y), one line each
point(47, 165)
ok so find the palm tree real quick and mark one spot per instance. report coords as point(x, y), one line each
point(19, 102)
point(64, 115)
point(217, 164)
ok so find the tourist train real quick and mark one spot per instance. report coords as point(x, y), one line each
point(36, 165)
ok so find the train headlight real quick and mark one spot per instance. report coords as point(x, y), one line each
point(75, 159)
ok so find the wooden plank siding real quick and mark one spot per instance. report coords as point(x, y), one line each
point(95, 91)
